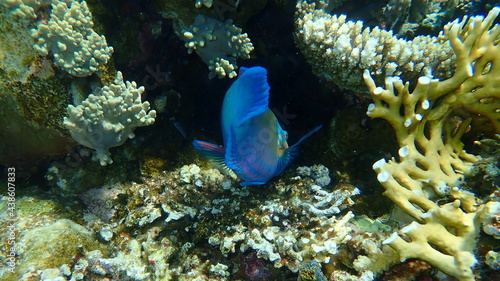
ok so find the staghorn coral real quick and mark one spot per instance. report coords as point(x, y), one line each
point(432, 159)
point(109, 117)
point(340, 50)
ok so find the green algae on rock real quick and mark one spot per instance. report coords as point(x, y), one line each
point(56, 244)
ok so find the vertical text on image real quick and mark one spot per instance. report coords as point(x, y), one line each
point(11, 224)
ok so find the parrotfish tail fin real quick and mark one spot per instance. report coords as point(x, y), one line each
point(230, 157)
point(292, 152)
point(255, 92)
point(246, 183)
point(214, 154)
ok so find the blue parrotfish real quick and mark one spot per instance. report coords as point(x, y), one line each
point(255, 145)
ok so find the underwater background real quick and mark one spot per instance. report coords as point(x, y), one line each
point(101, 102)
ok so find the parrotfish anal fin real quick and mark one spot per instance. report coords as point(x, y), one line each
point(246, 183)
point(230, 159)
point(292, 152)
point(214, 154)
point(255, 93)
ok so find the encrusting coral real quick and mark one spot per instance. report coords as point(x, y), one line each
point(429, 123)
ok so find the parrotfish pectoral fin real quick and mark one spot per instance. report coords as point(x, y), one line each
point(307, 135)
point(230, 158)
point(254, 93)
point(282, 137)
point(292, 152)
point(214, 154)
point(246, 183)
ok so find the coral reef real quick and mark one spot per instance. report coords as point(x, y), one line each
point(26, 8)
point(409, 270)
point(407, 17)
point(490, 219)
point(160, 212)
point(64, 239)
point(148, 226)
point(218, 44)
point(377, 258)
point(493, 260)
point(30, 131)
point(432, 160)
point(212, 30)
point(36, 214)
point(340, 51)
point(69, 36)
point(311, 271)
point(18, 59)
point(254, 231)
point(109, 117)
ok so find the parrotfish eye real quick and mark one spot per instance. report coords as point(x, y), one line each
point(284, 136)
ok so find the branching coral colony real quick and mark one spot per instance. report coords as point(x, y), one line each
point(432, 160)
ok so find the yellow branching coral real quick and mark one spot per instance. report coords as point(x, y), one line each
point(429, 123)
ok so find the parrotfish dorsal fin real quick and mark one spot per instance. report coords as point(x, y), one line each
point(214, 154)
point(292, 152)
point(254, 93)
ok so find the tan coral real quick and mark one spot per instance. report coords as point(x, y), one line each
point(432, 159)
point(340, 50)
point(454, 253)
